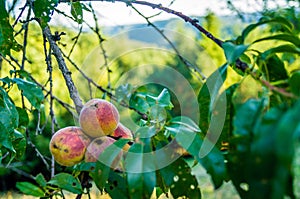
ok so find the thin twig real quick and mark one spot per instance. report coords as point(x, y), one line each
point(101, 40)
point(186, 62)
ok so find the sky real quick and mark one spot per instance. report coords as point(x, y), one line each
point(117, 13)
point(111, 14)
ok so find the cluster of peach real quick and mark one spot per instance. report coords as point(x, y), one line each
point(99, 128)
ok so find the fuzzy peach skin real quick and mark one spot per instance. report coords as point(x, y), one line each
point(68, 145)
point(122, 132)
point(98, 118)
point(97, 146)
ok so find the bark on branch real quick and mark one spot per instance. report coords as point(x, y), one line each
point(64, 69)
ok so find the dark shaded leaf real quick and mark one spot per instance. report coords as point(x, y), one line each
point(246, 116)
point(276, 70)
point(43, 9)
point(67, 182)
point(5, 138)
point(105, 160)
point(76, 11)
point(177, 176)
point(9, 116)
point(294, 82)
point(23, 117)
point(208, 96)
point(117, 186)
point(19, 144)
point(140, 167)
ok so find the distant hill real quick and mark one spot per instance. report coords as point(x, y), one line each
point(144, 33)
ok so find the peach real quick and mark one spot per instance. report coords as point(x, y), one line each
point(68, 145)
point(98, 118)
point(122, 132)
point(97, 146)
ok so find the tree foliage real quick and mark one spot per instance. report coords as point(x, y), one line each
point(247, 132)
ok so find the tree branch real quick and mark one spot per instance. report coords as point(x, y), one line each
point(65, 71)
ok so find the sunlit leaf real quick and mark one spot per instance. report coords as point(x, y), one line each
point(283, 37)
point(7, 40)
point(233, 52)
point(163, 99)
point(31, 91)
point(278, 20)
point(40, 179)
point(30, 189)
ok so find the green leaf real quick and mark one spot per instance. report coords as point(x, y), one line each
point(213, 162)
point(178, 177)
point(19, 144)
point(7, 40)
point(163, 99)
point(294, 82)
point(283, 37)
point(23, 117)
point(43, 9)
point(117, 186)
point(286, 48)
point(248, 88)
point(187, 122)
point(30, 189)
point(276, 70)
point(9, 116)
point(124, 92)
point(76, 11)
point(145, 132)
point(41, 180)
point(31, 91)
point(279, 20)
point(5, 138)
point(138, 102)
point(67, 182)
point(105, 159)
point(233, 52)
point(85, 166)
point(287, 127)
point(157, 114)
point(140, 167)
point(246, 116)
point(208, 96)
